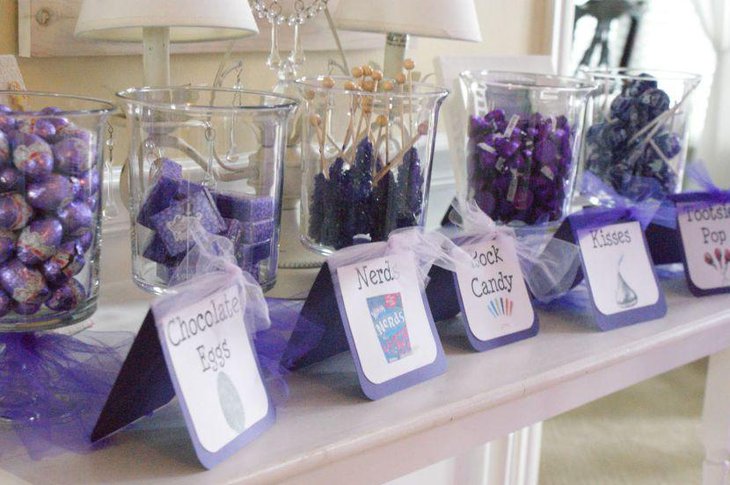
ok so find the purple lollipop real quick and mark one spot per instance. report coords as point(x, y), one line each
point(73, 156)
point(39, 241)
point(50, 194)
point(32, 156)
point(6, 303)
point(76, 216)
point(23, 284)
point(67, 296)
point(7, 244)
point(10, 179)
point(14, 211)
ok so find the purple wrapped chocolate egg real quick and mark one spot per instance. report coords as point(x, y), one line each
point(73, 156)
point(6, 303)
point(37, 126)
point(50, 194)
point(10, 179)
point(85, 184)
point(72, 131)
point(84, 240)
point(4, 149)
point(7, 122)
point(14, 211)
point(39, 241)
point(23, 284)
point(26, 308)
point(67, 296)
point(67, 262)
point(76, 216)
point(7, 244)
point(32, 156)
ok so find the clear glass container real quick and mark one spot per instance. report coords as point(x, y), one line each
point(366, 158)
point(637, 135)
point(51, 157)
point(215, 154)
point(524, 135)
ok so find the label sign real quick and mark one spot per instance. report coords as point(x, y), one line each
point(704, 227)
point(388, 324)
point(495, 304)
point(619, 272)
point(218, 379)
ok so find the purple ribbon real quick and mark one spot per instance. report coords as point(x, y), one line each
point(697, 173)
point(647, 204)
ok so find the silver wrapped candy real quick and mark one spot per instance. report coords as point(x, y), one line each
point(50, 194)
point(39, 241)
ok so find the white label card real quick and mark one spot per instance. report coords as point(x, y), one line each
point(705, 228)
point(493, 293)
point(619, 271)
point(387, 317)
point(213, 362)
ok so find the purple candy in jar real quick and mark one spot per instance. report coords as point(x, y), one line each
point(4, 149)
point(7, 122)
point(23, 284)
point(32, 156)
point(73, 156)
point(38, 126)
point(67, 296)
point(85, 184)
point(60, 267)
point(6, 303)
point(72, 131)
point(75, 217)
point(26, 308)
point(39, 241)
point(10, 179)
point(14, 211)
point(84, 240)
point(7, 244)
point(50, 194)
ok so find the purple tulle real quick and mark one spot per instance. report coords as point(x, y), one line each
point(53, 386)
point(697, 173)
point(648, 203)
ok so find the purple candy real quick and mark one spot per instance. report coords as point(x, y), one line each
point(14, 211)
point(250, 208)
point(65, 263)
point(172, 224)
point(67, 296)
point(155, 251)
point(7, 244)
point(23, 284)
point(10, 179)
point(50, 194)
point(7, 122)
point(39, 241)
point(85, 184)
point(69, 130)
point(254, 232)
point(73, 156)
point(6, 303)
point(37, 126)
point(32, 156)
point(161, 194)
point(84, 240)
point(76, 218)
point(26, 308)
point(248, 254)
point(4, 149)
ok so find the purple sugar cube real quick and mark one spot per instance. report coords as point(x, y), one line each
point(247, 254)
point(167, 179)
point(155, 251)
point(254, 232)
point(172, 224)
point(244, 207)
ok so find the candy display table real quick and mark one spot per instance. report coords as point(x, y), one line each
point(327, 430)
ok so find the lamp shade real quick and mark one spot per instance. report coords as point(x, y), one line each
point(445, 19)
point(188, 20)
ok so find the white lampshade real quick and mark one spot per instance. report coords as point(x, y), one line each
point(188, 20)
point(445, 19)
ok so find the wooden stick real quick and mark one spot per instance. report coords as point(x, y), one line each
point(400, 79)
point(316, 121)
point(409, 65)
point(422, 130)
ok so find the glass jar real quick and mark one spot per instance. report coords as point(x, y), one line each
point(51, 155)
point(366, 158)
point(524, 136)
point(637, 134)
point(215, 154)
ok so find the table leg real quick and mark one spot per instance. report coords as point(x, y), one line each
point(716, 421)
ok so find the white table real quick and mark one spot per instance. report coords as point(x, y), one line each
point(328, 430)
